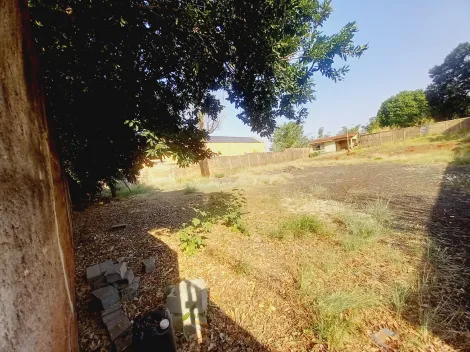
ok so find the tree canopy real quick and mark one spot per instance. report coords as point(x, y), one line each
point(449, 93)
point(407, 108)
point(289, 135)
point(123, 78)
point(346, 129)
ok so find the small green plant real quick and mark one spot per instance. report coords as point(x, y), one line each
point(314, 154)
point(190, 242)
point(361, 229)
point(233, 213)
point(189, 189)
point(400, 294)
point(336, 316)
point(219, 209)
point(219, 175)
point(379, 209)
point(300, 226)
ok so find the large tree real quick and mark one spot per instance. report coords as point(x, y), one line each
point(123, 77)
point(407, 108)
point(449, 92)
point(289, 135)
point(346, 129)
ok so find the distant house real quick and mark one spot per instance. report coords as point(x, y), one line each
point(225, 146)
point(335, 143)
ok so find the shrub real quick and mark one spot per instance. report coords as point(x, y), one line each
point(220, 175)
point(189, 189)
point(314, 154)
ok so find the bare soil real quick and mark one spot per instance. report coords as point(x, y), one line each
point(252, 308)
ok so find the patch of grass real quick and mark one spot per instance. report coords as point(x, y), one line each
point(462, 155)
point(242, 267)
point(189, 189)
point(314, 154)
point(336, 316)
point(361, 229)
point(219, 175)
point(399, 297)
point(300, 226)
point(139, 189)
point(460, 182)
point(379, 210)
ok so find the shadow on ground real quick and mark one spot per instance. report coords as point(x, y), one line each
point(442, 302)
point(147, 217)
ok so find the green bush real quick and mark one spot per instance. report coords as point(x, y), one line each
point(189, 189)
point(314, 154)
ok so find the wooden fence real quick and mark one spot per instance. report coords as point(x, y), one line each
point(224, 164)
point(379, 138)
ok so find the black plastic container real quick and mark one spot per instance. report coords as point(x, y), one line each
point(153, 331)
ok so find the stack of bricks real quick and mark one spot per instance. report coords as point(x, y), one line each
point(112, 282)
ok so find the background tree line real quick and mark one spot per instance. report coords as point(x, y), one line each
point(447, 97)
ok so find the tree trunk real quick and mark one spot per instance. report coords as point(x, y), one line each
point(203, 164)
point(37, 293)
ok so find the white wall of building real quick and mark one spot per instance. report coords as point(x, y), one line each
point(329, 147)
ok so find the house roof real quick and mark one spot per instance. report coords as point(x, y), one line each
point(230, 139)
point(336, 138)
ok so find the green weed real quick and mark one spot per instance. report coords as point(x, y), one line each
point(399, 297)
point(379, 210)
point(219, 175)
point(336, 316)
point(361, 229)
point(300, 226)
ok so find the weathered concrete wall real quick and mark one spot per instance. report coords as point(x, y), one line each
point(37, 294)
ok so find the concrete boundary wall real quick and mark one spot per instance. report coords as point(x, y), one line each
point(379, 138)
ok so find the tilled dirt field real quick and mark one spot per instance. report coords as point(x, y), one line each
point(423, 198)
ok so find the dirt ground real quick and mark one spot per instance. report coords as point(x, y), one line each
point(252, 307)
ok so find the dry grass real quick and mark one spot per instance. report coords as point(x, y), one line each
point(340, 272)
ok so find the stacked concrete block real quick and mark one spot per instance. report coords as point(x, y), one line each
point(187, 302)
point(112, 282)
point(93, 273)
point(105, 297)
point(116, 272)
point(131, 291)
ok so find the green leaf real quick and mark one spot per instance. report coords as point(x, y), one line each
point(196, 221)
point(186, 316)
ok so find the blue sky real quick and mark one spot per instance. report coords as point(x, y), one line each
point(406, 39)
